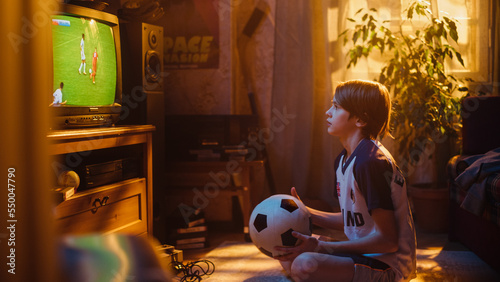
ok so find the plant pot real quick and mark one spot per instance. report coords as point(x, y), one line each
point(430, 207)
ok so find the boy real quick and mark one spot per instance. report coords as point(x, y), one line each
point(375, 215)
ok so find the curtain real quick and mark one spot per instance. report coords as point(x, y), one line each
point(302, 154)
point(308, 64)
point(496, 50)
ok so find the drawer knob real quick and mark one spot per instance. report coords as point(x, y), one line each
point(99, 203)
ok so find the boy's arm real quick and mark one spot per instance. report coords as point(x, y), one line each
point(383, 240)
point(327, 220)
point(323, 219)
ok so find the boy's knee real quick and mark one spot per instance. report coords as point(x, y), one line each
point(303, 267)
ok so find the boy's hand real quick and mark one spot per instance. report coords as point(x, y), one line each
point(307, 244)
point(293, 192)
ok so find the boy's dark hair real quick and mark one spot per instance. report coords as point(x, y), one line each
point(61, 84)
point(369, 101)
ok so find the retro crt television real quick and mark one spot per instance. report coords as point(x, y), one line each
point(87, 61)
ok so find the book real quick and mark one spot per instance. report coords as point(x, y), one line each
point(236, 151)
point(205, 154)
point(190, 240)
point(200, 234)
point(186, 216)
point(193, 229)
point(192, 246)
point(195, 222)
point(189, 229)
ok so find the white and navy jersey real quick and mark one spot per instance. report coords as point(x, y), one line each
point(367, 180)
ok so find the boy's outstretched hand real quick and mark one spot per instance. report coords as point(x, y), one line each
point(293, 192)
point(307, 244)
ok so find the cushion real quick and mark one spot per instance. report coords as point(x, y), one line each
point(480, 120)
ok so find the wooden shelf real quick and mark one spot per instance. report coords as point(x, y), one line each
point(125, 206)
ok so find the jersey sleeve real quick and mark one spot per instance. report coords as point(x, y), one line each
point(374, 178)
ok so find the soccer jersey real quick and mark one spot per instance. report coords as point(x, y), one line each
point(82, 49)
point(367, 180)
point(94, 60)
point(57, 96)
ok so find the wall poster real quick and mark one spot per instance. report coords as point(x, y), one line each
point(191, 34)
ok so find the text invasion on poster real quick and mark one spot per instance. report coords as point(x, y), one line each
point(191, 30)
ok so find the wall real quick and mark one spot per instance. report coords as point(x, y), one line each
point(199, 90)
point(221, 89)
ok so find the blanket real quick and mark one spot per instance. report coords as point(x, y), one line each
point(473, 179)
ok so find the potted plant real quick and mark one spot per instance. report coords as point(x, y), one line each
point(425, 121)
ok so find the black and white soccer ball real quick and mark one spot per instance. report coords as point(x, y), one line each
point(273, 220)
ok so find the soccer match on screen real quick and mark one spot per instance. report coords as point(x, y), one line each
point(84, 62)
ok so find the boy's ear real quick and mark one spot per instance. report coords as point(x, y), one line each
point(360, 122)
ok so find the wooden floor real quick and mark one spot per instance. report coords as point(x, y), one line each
point(217, 233)
point(227, 231)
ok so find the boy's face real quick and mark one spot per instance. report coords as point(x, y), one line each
point(339, 123)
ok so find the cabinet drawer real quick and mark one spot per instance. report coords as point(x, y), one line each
point(120, 207)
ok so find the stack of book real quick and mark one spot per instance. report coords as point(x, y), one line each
point(218, 153)
point(191, 237)
point(235, 152)
point(206, 154)
point(191, 231)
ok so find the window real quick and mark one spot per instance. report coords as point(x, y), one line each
point(474, 28)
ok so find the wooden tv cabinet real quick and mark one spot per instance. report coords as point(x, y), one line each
point(124, 206)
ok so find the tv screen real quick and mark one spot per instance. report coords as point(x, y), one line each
point(86, 68)
point(84, 60)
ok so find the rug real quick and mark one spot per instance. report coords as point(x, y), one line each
point(241, 261)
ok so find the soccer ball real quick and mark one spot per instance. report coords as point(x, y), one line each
point(90, 70)
point(273, 220)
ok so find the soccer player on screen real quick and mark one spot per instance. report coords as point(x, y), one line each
point(82, 55)
point(58, 96)
point(94, 65)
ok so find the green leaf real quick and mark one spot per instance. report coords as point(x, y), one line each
point(365, 33)
point(381, 46)
point(459, 58)
point(430, 70)
point(454, 35)
point(355, 37)
point(409, 14)
point(450, 23)
point(390, 69)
